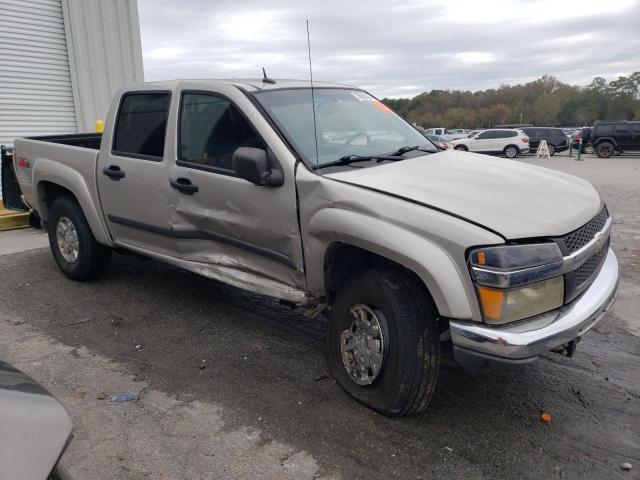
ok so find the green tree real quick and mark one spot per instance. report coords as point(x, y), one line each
point(545, 101)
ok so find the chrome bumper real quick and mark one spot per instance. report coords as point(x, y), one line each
point(546, 332)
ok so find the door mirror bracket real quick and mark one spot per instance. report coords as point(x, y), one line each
point(253, 165)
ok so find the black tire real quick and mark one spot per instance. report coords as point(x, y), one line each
point(461, 147)
point(92, 258)
point(605, 150)
point(411, 363)
point(511, 151)
point(552, 149)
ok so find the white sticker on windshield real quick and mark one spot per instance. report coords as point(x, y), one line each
point(362, 96)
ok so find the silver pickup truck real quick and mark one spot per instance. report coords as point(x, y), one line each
point(324, 197)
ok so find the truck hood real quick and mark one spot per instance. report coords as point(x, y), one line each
point(511, 198)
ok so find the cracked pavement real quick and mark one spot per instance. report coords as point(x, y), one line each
point(264, 407)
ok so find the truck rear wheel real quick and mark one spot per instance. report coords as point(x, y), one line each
point(605, 150)
point(383, 345)
point(73, 245)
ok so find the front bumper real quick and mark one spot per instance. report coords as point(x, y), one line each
point(526, 340)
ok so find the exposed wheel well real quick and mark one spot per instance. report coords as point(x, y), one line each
point(49, 192)
point(342, 261)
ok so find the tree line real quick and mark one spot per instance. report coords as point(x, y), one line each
point(543, 102)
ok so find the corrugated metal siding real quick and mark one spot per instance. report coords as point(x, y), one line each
point(105, 53)
point(36, 94)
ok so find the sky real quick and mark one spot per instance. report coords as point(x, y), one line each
point(392, 49)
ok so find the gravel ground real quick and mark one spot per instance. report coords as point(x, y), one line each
point(264, 407)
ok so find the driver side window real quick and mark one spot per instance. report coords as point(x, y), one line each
point(211, 129)
point(485, 135)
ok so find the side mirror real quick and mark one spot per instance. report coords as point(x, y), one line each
point(252, 164)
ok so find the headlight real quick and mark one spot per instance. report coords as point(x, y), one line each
point(509, 305)
point(517, 281)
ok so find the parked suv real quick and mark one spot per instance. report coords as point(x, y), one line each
point(557, 140)
point(511, 142)
point(611, 137)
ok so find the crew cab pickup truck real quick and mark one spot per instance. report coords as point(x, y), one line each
point(324, 197)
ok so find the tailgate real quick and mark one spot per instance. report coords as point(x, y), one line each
point(11, 193)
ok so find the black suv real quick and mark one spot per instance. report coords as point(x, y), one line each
point(615, 137)
point(557, 140)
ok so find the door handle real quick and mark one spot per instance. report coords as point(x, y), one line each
point(113, 172)
point(184, 185)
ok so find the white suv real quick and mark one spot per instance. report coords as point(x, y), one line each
point(511, 142)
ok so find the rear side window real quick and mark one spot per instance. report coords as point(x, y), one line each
point(553, 133)
point(511, 134)
point(604, 130)
point(141, 125)
point(623, 127)
point(211, 129)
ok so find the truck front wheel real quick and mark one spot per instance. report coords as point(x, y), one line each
point(73, 245)
point(383, 343)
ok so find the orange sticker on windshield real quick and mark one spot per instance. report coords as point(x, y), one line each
point(381, 106)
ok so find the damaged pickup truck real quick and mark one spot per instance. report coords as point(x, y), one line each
point(324, 197)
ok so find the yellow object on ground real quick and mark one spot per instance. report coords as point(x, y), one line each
point(10, 219)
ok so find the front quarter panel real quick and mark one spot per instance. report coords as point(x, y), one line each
point(430, 243)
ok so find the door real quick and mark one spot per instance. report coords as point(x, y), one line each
point(500, 141)
point(623, 135)
point(249, 232)
point(482, 142)
point(132, 177)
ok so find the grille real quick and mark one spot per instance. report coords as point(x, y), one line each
point(590, 267)
point(577, 239)
point(577, 281)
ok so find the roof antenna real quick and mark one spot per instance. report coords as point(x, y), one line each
point(266, 79)
point(313, 97)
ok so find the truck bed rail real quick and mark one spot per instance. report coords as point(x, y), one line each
point(85, 140)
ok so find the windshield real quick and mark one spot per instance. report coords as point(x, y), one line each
point(348, 122)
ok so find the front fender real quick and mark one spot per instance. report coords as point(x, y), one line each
point(46, 170)
point(433, 265)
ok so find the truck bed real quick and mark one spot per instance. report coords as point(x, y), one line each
point(65, 159)
point(85, 140)
point(77, 149)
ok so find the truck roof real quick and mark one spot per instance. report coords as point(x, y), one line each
point(251, 84)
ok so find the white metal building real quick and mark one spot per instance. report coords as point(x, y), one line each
point(61, 61)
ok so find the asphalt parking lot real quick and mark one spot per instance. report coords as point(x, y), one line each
point(233, 385)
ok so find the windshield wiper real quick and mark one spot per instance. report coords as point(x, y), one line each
point(349, 159)
point(391, 157)
point(403, 150)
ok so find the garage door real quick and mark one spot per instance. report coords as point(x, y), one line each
point(35, 85)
